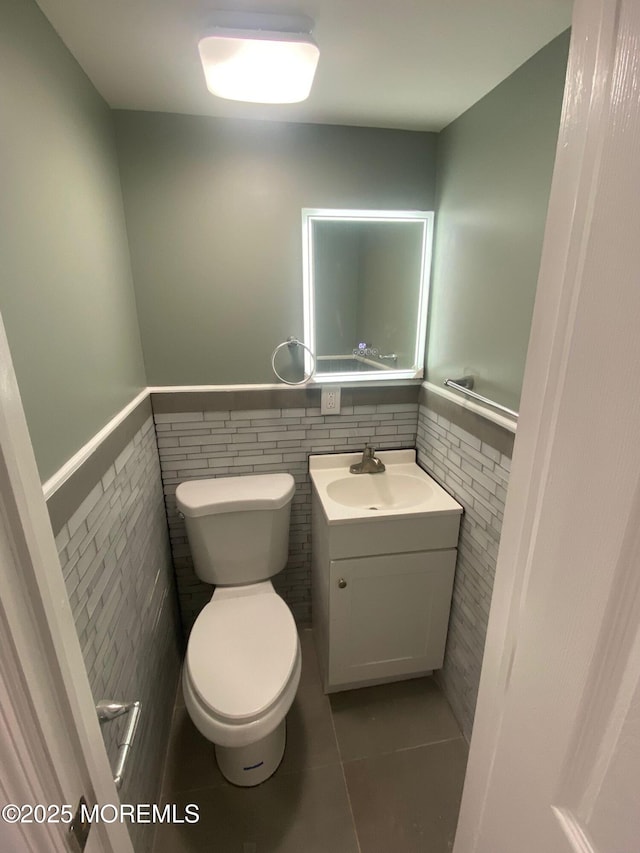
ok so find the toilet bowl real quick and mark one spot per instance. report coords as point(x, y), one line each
point(242, 666)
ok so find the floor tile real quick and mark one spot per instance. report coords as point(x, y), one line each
point(179, 695)
point(375, 720)
point(311, 740)
point(190, 761)
point(405, 794)
point(408, 801)
point(310, 675)
point(289, 813)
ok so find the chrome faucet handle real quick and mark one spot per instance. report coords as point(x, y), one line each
point(370, 464)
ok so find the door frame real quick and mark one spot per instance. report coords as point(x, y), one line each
point(590, 92)
point(52, 731)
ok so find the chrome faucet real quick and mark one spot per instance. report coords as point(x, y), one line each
point(370, 463)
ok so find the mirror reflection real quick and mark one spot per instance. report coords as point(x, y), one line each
point(366, 280)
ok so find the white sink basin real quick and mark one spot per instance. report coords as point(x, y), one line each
point(379, 491)
point(403, 489)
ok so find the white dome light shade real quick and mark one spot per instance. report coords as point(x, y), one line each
point(257, 66)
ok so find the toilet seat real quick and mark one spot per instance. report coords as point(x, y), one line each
point(241, 657)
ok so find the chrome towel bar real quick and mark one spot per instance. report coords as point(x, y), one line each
point(465, 385)
point(108, 711)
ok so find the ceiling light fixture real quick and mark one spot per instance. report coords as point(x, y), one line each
point(265, 59)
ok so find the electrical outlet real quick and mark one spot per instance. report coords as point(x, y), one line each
point(330, 400)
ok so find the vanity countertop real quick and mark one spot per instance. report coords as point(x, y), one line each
point(403, 489)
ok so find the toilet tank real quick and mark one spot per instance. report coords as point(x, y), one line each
point(238, 527)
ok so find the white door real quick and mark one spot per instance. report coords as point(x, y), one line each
point(51, 748)
point(555, 754)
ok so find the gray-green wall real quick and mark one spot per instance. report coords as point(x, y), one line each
point(66, 294)
point(494, 175)
point(214, 218)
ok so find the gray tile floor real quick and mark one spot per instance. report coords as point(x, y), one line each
point(374, 770)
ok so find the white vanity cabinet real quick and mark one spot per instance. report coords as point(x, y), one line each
point(388, 615)
point(381, 582)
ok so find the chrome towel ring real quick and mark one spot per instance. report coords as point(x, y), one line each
point(292, 342)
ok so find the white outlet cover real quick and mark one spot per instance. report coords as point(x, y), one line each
point(330, 400)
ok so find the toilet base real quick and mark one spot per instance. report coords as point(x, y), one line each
point(252, 764)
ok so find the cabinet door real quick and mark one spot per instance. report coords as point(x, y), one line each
point(388, 615)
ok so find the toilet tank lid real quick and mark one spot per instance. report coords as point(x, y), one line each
point(234, 494)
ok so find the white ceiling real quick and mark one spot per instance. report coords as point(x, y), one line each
point(414, 64)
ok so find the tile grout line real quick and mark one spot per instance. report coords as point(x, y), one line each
point(163, 777)
point(404, 749)
point(431, 743)
point(344, 779)
point(335, 737)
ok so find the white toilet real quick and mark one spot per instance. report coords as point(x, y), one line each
point(242, 666)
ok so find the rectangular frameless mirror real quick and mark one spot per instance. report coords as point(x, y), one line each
point(366, 282)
